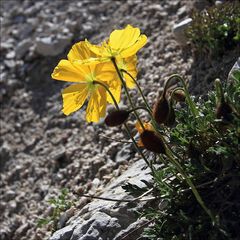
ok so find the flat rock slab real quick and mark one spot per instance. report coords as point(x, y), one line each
point(101, 219)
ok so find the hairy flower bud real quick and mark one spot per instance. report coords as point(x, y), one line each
point(171, 117)
point(152, 142)
point(116, 118)
point(178, 95)
point(161, 110)
point(224, 111)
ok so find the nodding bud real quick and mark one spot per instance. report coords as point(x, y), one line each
point(171, 117)
point(116, 118)
point(224, 111)
point(178, 95)
point(161, 110)
point(152, 142)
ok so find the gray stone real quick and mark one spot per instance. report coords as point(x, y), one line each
point(10, 55)
point(65, 216)
point(63, 234)
point(103, 219)
point(23, 47)
point(179, 31)
point(99, 226)
point(20, 232)
point(201, 4)
point(9, 195)
point(182, 11)
point(10, 63)
point(235, 67)
point(219, 2)
point(123, 155)
point(50, 46)
point(133, 231)
point(5, 153)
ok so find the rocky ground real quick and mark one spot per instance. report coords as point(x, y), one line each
point(43, 151)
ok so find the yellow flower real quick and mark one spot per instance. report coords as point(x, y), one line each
point(122, 43)
point(75, 95)
point(129, 65)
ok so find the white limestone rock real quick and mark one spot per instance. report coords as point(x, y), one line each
point(179, 31)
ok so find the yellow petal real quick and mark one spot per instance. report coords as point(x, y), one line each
point(115, 88)
point(100, 51)
point(147, 126)
point(66, 71)
point(92, 61)
point(96, 106)
point(138, 127)
point(105, 72)
point(74, 97)
point(102, 102)
point(80, 51)
point(142, 40)
point(124, 38)
point(129, 65)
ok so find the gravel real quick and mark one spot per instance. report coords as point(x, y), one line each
point(43, 151)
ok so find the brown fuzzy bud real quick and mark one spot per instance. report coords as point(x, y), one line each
point(171, 117)
point(116, 118)
point(152, 142)
point(224, 111)
point(161, 110)
point(179, 95)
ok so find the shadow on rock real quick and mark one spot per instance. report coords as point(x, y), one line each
point(204, 71)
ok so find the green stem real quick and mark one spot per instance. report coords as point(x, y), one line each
point(126, 90)
point(188, 99)
point(110, 93)
point(125, 125)
point(139, 89)
point(191, 185)
point(219, 91)
point(154, 123)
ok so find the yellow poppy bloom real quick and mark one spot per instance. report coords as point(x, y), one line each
point(130, 65)
point(122, 43)
point(75, 95)
point(127, 64)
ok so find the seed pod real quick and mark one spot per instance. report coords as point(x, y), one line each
point(152, 142)
point(116, 118)
point(178, 95)
point(161, 110)
point(224, 111)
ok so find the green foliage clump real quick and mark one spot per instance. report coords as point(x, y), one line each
point(208, 150)
point(60, 204)
point(215, 30)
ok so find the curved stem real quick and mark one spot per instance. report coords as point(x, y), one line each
point(110, 93)
point(176, 89)
point(219, 91)
point(191, 185)
point(125, 125)
point(139, 88)
point(126, 90)
point(188, 99)
point(182, 172)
